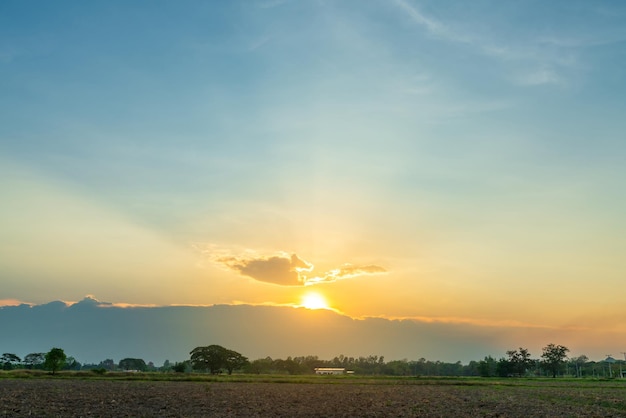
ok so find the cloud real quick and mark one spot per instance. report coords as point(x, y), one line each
point(11, 302)
point(346, 271)
point(543, 52)
point(281, 269)
point(433, 26)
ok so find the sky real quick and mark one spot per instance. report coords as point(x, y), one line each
point(445, 162)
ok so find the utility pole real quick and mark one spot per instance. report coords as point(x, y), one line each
point(608, 360)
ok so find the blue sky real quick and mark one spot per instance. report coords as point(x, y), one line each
point(468, 150)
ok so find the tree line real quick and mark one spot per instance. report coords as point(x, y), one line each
point(216, 359)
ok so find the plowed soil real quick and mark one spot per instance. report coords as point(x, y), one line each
point(114, 398)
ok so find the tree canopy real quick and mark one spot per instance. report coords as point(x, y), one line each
point(215, 358)
point(133, 364)
point(55, 360)
point(553, 357)
point(9, 360)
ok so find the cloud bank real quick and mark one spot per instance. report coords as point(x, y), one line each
point(92, 331)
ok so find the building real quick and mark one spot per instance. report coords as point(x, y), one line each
point(330, 370)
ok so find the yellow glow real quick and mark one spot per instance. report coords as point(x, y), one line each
point(314, 300)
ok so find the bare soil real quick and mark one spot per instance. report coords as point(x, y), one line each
point(114, 398)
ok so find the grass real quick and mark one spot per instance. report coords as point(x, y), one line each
point(587, 383)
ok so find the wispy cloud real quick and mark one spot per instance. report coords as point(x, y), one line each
point(346, 271)
point(543, 61)
point(282, 269)
point(433, 26)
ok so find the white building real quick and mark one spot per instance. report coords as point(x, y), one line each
point(330, 370)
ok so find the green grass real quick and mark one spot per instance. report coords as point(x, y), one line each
point(587, 383)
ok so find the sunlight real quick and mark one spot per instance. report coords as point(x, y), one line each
point(314, 300)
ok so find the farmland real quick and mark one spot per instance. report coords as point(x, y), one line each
point(174, 395)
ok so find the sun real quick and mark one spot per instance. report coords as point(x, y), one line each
point(313, 300)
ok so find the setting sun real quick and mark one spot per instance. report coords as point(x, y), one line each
point(314, 301)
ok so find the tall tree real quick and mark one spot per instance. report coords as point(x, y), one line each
point(33, 360)
point(519, 361)
point(579, 363)
point(234, 361)
point(487, 367)
point(9, 361)
point(211, 358)
point(553, 358)
point(214, 358)
point(55, 360)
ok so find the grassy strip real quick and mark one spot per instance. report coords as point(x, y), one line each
point(315, 379)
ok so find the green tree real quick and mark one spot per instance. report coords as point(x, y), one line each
point(234, 361)
point(579, 364)
point(262, 365)
point(107, 364)
point(71, 364)
point(133, 364)
point(9, 361)
point(210, 358)
point(34, 360)
point(519, 361)
point(487, 367)
point(181, 367)
point(55, 360)
point(214, 358)
point(553, 358)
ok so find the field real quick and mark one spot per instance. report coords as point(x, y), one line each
point(169, 395)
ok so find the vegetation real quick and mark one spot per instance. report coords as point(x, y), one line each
point(215, 359)
point(553, 358)
point(55, 360)
point(9, 361)
point(133, 364)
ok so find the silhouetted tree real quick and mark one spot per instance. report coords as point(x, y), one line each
point(181, 367)
point(214, 358)
point(519, 361)
point(107, 364)
point(553, 358)
point(34, 360)
point(579, 364)
point(71, 364)
point(258, 366)
point(487, 367)
point(55, 359)
point(9, 361)
point(234, 361)
point(133, 364)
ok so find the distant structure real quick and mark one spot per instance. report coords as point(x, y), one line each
point(330, 370)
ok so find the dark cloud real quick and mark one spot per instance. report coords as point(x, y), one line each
point(282, 270)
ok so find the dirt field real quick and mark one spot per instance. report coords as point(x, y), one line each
point(115, 398)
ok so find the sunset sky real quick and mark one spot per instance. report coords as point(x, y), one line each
point(448, 161)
